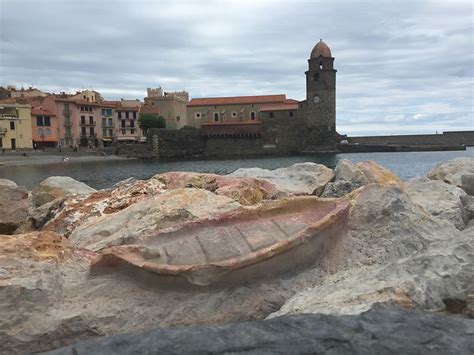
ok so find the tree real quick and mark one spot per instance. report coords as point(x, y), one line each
point(149, 120)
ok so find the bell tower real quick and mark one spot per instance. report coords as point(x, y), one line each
point(321, 87)
point(318, 111)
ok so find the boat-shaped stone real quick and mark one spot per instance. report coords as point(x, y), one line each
point(263, 241)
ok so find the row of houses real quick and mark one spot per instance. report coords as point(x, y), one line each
point(30, 118)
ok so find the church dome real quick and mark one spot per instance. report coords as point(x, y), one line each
point(321, 49)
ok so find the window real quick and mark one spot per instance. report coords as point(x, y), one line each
point(104, 122)
point(216, 117)
point(39, 121)
point(1, 143)
point(132, 131)
point(111, 132)
point(83, 131)
point(123, 131)
point(40, 132)
point(83, 119)
point(291, 113)
point(91, 130)
point(122, 123)
point(316, 77)
point(126, 114)
point(270, 114)
point(106, 112)
point(104, 133)
point(197, 115)
point(178, 118)
point(134, 115)
point(12, 125)
point(47, 132)
point(234, 114)
point(91, 120)
point(321, 64)
point(132, 123)
point(252, 115)
point(110, 122)
point(47, 121)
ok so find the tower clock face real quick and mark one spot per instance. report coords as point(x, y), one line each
point(316, 99)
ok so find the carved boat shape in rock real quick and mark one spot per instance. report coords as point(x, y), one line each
point(265, 241)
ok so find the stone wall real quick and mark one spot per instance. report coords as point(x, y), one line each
point(279, 133)
point(176, 144)
point(447, 138)
point(235, 147)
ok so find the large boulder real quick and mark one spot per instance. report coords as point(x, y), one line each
point(394, 253)
point(298, 179)
point(452, 172)
point(65, 215)
point(58, 187)
point(246, 191)
point(348, 171)
point(157, 212)
point(14, 206)
point(377, 174)
point(378, 331)
point(441, 200)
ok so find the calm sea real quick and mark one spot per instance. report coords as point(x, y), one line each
point(101, 175)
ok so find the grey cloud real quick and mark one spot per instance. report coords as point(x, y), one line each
point(394, 59)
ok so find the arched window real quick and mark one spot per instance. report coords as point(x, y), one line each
point(320, 64)
point(252, 115)
point(216, 117)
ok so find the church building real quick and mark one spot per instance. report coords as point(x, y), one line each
point(273, 124)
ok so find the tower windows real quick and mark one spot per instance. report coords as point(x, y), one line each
point(320, 64)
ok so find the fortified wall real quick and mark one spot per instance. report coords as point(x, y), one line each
point(453, 138)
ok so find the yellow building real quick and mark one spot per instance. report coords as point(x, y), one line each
point(15, 127)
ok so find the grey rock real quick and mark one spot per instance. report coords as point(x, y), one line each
point(58, 187)
point(451, 172)
point(348, 171)
point(298, 179)
point(42, 214)
point(394, 252)
point(442, 200)
point(467, 183)
point(339, 188)
point(14, 204)
point(378, 331)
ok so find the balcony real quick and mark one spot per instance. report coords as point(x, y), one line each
point(88, 135)
point(87, 123)
point(107, 125)
point(235, 129)
point(8, 116)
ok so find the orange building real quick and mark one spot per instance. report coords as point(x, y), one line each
point(45, 127)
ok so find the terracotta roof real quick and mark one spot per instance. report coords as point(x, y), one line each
point(237, 100)
point(321, 49)
point(150, 109)
point(37, 111)
point(289, 104)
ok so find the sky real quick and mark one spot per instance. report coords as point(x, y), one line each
point(403, 67)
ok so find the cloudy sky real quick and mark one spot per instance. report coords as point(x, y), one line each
point(403, 66)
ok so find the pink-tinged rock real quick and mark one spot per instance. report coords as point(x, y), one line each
point(13, 206)
point(78, 210)
point(246, 191)
point(378, 174)
point(256, 242)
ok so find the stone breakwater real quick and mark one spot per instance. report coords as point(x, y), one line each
point(197, 249)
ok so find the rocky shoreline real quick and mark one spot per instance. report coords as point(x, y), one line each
point(78, 263)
